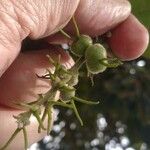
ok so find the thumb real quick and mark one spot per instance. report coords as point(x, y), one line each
point(33, 18)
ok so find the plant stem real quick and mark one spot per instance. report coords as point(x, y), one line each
point(76, 112)
point(85, 101)
point(11, 138)
point(25, 138)
point(64, 33)
point(49, 113)
point(43, 118)
point(60, 104)
point(111, 63)
point(77, 65)
point(36, 114)
point(49, 95)
point(76, 26)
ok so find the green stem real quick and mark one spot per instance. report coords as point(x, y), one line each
point(32, 103)
point(92, 79)
point(37, 101)
point(67, 88)
point(11, 138)
point(49, 95)
point(36, 114)
point(57, 65)
point(76, 112)
point(85, 101)
point(49, 113)
point(76, 26)
point(66, 101)
point(79, 63)
point(64, 33)
point(60, 104)
point(26, 106)
point(43, 118)
point(25, 138)
point(112, 63)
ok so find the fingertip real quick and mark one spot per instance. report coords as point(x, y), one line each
point(97, 17)
point(129, 40)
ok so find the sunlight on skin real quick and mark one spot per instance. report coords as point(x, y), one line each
point(9, 125)
point(6, 114)
point(22, 80)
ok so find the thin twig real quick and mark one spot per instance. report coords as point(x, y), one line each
point(25, 138)
point(76, 112)
point(11, 138)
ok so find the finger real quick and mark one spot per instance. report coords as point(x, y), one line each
point(20, 83)
point(34, 18)
point(96, 17)
point(8, 126)
point(129, 40)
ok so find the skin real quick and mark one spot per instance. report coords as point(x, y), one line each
point(42, 18)
point(128, 37)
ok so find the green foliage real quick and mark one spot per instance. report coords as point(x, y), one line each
point(141, 9)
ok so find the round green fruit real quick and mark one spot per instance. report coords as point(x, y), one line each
point(81, 44)
point(93, 55)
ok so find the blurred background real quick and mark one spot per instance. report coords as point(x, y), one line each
point(120, 122)
point(122, 119)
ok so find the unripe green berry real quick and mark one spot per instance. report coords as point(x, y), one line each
point(93, 55)
point(81, 44)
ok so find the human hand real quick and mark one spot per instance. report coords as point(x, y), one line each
point(41, 18)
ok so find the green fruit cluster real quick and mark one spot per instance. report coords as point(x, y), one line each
point(63, 81)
